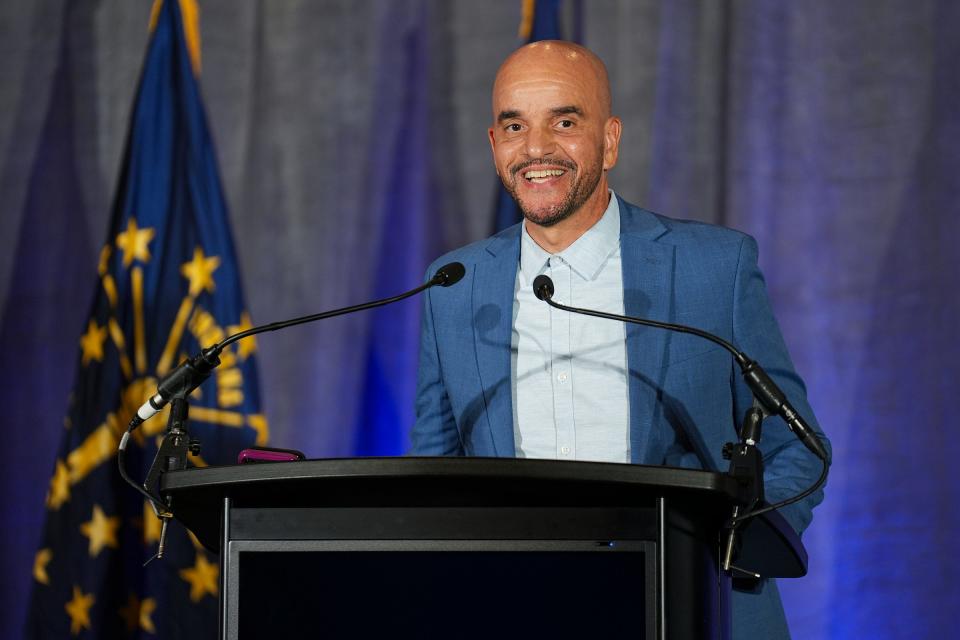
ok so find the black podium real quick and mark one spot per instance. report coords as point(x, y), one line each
point(472, 548)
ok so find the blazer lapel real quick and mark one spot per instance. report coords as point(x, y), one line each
point(493, 292)
point(648, 268)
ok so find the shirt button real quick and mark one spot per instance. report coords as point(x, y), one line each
point(565, 450)
point(562, 376)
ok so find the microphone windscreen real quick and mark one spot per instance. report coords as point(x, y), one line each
point(543, 287)
point(449, 274)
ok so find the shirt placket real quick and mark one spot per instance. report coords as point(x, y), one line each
point(561, 360)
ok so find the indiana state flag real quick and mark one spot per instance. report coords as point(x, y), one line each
point(167, 286)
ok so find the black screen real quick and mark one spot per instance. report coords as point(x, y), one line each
point(453, 594)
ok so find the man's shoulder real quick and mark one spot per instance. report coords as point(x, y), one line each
point(481, 249)
point(635, 219)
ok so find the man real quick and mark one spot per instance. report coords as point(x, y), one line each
point(504, 374)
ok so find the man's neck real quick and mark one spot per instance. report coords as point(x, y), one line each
point(556, 238)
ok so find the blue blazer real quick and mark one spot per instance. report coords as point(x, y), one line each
point(686, 394)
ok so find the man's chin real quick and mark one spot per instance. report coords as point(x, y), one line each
point(545, 216)
point(544, 210)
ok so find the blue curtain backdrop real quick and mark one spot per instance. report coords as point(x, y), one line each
point(352, 143)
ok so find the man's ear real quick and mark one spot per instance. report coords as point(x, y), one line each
point(493, 149)
point(612, 129)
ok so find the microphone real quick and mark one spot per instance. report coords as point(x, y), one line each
point(765, 390)
point(191, 373)
point(543, 288)
point(449, 274)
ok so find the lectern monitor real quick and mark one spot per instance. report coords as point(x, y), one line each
point(442, 589)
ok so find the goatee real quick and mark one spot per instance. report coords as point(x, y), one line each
point(581, 190)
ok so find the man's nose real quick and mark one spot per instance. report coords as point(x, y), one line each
point(540, 142)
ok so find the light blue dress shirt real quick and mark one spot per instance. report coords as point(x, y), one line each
point(569, 371)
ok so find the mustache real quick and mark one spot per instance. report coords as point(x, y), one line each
point(545, 162)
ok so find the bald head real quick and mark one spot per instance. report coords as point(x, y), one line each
point(561, 60)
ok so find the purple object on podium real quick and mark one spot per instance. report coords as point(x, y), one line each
point(268, 454)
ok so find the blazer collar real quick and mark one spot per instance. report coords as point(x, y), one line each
point(639, 223)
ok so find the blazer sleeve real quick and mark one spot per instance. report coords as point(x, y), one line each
point(435, 431)
point(789, 467)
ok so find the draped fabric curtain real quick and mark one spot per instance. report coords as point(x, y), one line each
point(352, 145)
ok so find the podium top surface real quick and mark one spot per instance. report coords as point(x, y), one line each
point(237, 478)
point(197, 495)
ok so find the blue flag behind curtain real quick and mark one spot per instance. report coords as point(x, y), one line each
point(541, 21)
point(167, 286)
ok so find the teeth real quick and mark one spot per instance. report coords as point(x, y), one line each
point(545, 173)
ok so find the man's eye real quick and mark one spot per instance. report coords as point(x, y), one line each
point(513, 128)
point(566, 124)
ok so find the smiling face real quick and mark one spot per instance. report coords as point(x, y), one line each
point(553, 137)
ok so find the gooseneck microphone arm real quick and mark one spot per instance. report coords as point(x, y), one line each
point(191, 373)
point(445, 276)
point(763, 387)
point(765, 391)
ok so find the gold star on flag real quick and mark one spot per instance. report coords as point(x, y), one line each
point(199, 271)
point(59, 491)
point(40, 562)
point(79, 610)
point(91, 343)
point(137, 614)
point(147, 607)
point(134, 243)
point(101, 530)
point(202, 578)
point(246, 346)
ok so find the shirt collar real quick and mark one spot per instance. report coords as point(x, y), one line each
point(586, 255)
